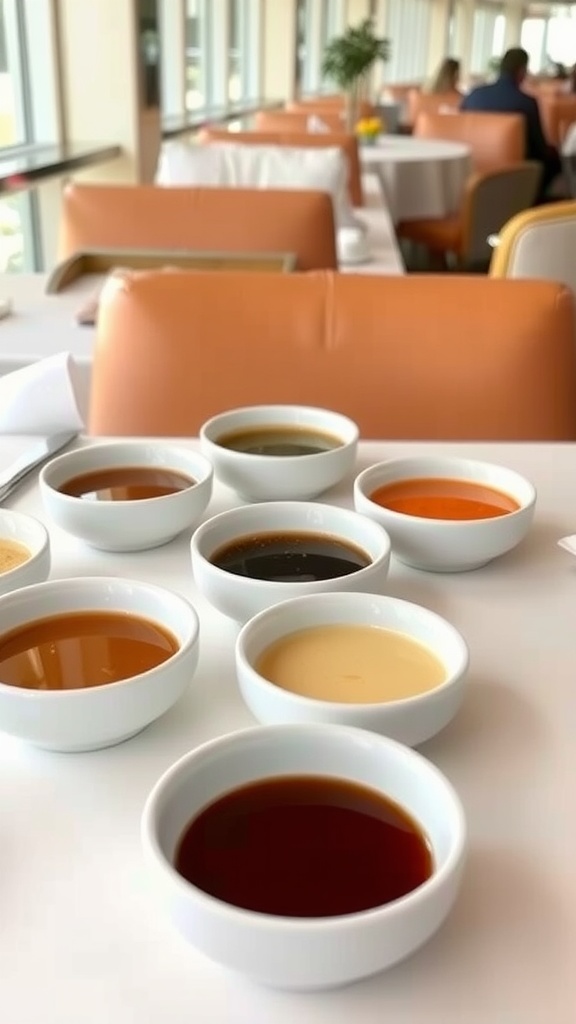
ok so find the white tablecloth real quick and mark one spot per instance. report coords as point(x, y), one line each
point(82, 939)
point(41, 325)
point(419, 177)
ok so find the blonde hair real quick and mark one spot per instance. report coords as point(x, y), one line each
point(446, 77)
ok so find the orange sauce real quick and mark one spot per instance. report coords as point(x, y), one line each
point(437, 498)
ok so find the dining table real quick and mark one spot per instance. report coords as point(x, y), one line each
point(419, 177)
point(83, 937)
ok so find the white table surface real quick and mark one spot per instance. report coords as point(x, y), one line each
point(419, 177)
point(82, 940)
point(41, 325)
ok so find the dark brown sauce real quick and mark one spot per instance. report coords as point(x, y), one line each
point(304, 846)
point(126, 483)
point(290, 557)
point(279, 441)
point(82, 649)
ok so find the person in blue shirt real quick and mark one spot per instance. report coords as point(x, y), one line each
point(506, 96)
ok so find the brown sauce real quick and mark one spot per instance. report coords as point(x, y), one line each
point(304, 846)
point(279, 441)
point(437, 498)
point(126, 483)
point(82, 649)
point(290, 557)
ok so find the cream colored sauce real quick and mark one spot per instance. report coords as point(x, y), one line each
point(351, 664)
point(12, 554)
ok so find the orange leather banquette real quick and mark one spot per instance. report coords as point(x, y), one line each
point(226, 219)
point(557, 113)
point(322, 105)
point(420, 356)
point(296, 121)
point(495, 140)
point(347, 143)
point(420, 102)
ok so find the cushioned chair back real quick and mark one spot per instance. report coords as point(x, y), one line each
point(316, 140)
point(557, 113)
point(420, 102)
point(420, 356)
point(539, 243)
point(225, 219)
point(497, 196)
point(296, 121)
point(495, 140)
point(326, 105)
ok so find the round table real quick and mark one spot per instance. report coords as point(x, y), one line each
point(419, 177)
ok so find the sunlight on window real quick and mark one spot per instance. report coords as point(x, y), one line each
point(11, 235)
point(11, 113)
point(195, 89)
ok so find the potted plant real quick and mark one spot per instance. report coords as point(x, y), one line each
point(348, 60)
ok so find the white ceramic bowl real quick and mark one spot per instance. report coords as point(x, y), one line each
point(447, 545)
point(26, 530)
point(275, 477)
point(292, 952)
point(240, 597)
point(127, 525)
point(87, 719)
point(409, 721)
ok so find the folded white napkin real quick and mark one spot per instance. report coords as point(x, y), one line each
point(41, 398)
point(352, 245)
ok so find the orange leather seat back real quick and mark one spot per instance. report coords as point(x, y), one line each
point(430, 103)
point(324, 105)
point(495, 140)
point(317, 140)
point(439, 357)
point(225, 219)
point(557, 114)
point(296, 121)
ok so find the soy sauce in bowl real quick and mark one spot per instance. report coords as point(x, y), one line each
point(304, 846)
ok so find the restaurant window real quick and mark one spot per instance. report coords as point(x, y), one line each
point(532, 40)
point(28, 87)
point(486, 36)
point(196, 84)
point(407, 25)
point(560, 42)
point(243, 50)
point(309, 46)
point(332, 20)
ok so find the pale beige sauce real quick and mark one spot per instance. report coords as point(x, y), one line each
point(12, 554)
point(351, 664)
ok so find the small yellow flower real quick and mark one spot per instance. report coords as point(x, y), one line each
point(369, 126)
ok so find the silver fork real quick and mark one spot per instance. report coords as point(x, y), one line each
point(33, 457)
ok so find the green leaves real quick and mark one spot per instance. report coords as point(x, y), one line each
point(350, 56)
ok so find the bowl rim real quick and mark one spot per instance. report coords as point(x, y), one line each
point(256, 508)
point(278, 922)
point(207, 470)
point(273, 409)
point(35, 556)
point(456, 678)
point(80, 692)
point(404, 517)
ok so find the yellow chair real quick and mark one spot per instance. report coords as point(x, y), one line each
point(539, 243)
point(490, 199)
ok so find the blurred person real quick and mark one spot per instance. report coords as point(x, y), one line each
point(505, 96)
point(447, 77)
